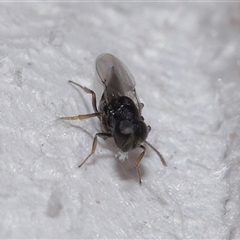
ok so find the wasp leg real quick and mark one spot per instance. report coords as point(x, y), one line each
point(82, 117)
point(158, 153)
point(138, 162)
point(94, 145)
point(87, 90)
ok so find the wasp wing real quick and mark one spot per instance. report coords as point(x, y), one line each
point(114, 74)
point(116, 77)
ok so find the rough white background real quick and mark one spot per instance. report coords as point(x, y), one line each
point(185, 58)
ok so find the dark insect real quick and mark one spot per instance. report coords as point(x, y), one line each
point(119, 109)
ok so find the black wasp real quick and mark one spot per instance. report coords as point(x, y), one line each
point(119, 109)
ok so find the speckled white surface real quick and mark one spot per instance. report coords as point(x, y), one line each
point(185, 58)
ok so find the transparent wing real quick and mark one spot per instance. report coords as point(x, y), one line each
point(117, 78)
point(114, 75)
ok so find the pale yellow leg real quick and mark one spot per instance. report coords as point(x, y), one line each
point(82, 117)
point(87, 90)
point(94, 145)
point(138, 162)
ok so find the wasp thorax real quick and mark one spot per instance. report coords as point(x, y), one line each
point(129, 134)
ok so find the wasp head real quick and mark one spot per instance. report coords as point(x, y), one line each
point(129, 134)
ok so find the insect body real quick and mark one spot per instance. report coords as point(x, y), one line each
point(119, 109)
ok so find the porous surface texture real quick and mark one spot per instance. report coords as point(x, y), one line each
point(185, 60)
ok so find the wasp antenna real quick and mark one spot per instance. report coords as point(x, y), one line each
point(158, 153)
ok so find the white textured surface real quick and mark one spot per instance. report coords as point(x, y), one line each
point(185, 58)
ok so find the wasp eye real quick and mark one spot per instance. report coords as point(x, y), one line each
point(123, 135)
point(142, 131)
point(129, 134)
point(126, 127)
point(123, 128)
